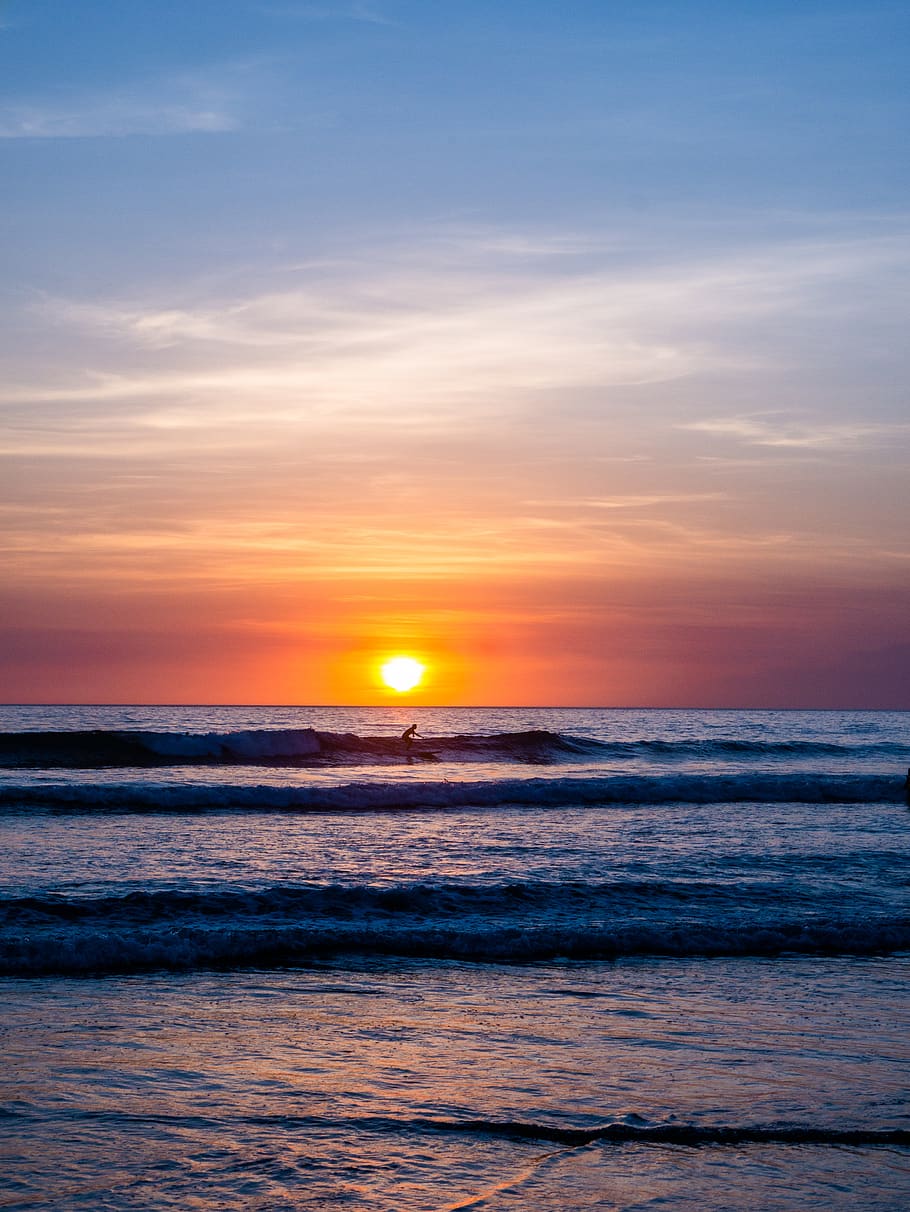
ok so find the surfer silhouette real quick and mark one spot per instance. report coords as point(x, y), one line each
point(907, 788)
point(408, 735)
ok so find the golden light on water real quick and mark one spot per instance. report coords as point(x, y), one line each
point(402, 673)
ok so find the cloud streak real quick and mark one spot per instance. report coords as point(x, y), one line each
point(189, 103)
point(423, 342)
point(781, 432)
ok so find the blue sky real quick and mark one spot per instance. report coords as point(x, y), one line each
point(608, 297)
point(242, 125)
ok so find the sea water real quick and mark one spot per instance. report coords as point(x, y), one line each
point(274, 958)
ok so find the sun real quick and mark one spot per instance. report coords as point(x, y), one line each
point(402, 673)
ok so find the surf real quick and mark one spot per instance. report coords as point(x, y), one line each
point(141, 748)
point(432, 794)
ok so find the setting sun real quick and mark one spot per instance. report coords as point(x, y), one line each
point(402, 673)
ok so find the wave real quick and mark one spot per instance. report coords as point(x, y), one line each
point(632, 1129)
point(190, 948)
point(430, 795)
point(514, 923)
point(629, 1129)
point(310, 747)
point(272, 747)
point(421, 900)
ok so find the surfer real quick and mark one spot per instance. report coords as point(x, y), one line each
point(907, 787)
point(408, 735)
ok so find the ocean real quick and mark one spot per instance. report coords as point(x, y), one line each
point(273, 958)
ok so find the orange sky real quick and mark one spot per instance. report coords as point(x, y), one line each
point(794, 639)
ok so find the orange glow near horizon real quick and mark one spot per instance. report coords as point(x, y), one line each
point(594, 642)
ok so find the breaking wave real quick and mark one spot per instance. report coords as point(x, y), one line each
point(440, 901)
point(272, 747)
point(310, 747)
point(425, 795)
point(112, 944)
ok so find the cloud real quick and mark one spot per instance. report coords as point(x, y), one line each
point(192, 103)
point(631, 501)
point(434, 337)
point(775, 431)
point(515, 286)
point(406, 344)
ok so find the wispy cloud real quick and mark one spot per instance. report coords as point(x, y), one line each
point(506, 285)
point(775, 430)
point(428, 338)
point(400, 342)
point(202, 103)
point(630, 501)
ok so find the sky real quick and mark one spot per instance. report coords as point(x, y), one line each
point(559, 346)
